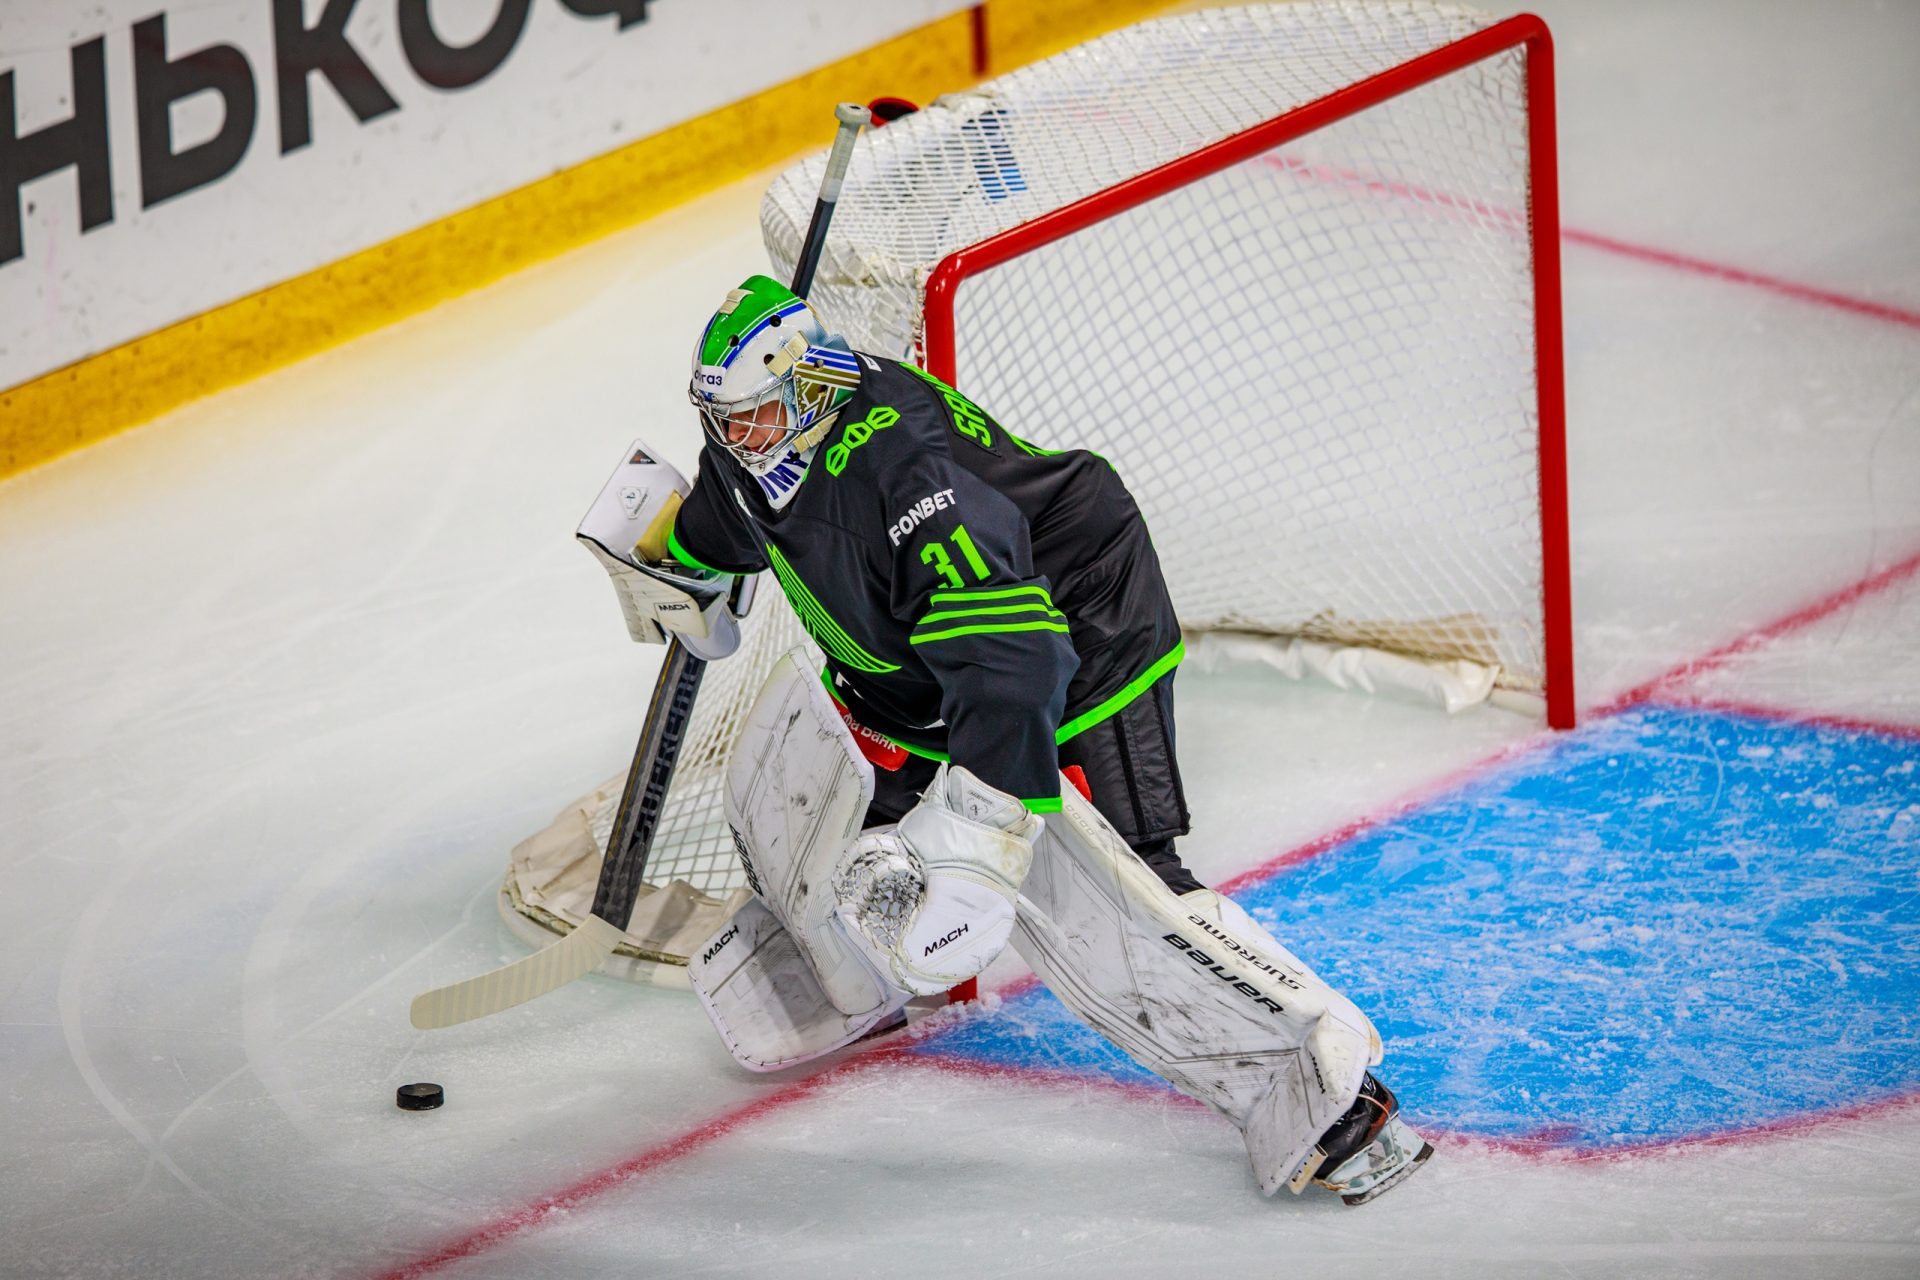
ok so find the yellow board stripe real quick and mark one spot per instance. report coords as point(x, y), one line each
point(105, 394)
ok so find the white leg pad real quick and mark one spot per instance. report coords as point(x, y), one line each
point(797, 791)
point(781, 980)
point(1191, 989)
point(765, 999)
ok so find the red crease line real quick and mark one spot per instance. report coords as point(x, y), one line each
point(526, 1218)
point(1791, 715)
point(1805, 616)
point(1460, 208)
point(1735, 275)
point(1406, 803)
point(1550, 1146)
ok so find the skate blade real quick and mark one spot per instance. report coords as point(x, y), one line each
point(1392, 1180)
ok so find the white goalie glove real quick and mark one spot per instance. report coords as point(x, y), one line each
point(626, 530)
point(848, 926)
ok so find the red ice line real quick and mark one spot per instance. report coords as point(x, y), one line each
point(1815, 719)
point(1772, 284)
point(518, 1221)
point(1662, 684)
point(1479, 210)
point(1545, 1147)
point(1548, 1147)
point(558, 1203)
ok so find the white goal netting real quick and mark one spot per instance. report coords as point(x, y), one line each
point(1314, 367)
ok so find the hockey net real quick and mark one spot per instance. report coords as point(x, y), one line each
point(1293, 270)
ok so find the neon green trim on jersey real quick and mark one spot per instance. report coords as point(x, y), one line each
point(827, 633)
point(1036, 607)
point(985, 627)
point(967, 597)
point(1034, 450)
point(685, 556)
point(1046, 804)
point(1134, 688)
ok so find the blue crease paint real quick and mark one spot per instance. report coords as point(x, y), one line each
point(1671, 922)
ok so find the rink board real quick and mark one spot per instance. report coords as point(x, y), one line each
point(1670, 923)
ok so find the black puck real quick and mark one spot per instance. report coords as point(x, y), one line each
point(419, 1097)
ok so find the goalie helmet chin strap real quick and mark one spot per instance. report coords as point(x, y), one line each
point(814, 434)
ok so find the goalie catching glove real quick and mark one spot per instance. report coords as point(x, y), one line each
point(848, 926)
point(626, 530)
point(930, 902)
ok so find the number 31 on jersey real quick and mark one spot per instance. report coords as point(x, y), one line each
point(935, 554)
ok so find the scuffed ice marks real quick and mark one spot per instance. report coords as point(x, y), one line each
point(1673, 922)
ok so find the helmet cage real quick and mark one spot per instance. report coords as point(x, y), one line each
point(807, 391)
point(747, 416)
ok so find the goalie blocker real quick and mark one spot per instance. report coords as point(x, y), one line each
point(626, 530)
point(848, 925)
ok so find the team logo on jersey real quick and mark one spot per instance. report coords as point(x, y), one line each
point(878, 419)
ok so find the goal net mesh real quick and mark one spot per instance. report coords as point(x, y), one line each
point(1314, 368)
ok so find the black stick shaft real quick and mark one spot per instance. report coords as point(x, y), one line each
point(851, 117)
point(645, 794)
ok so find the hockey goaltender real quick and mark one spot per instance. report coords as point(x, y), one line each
point(988, 756)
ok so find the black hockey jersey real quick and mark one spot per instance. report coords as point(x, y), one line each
point(977, 598)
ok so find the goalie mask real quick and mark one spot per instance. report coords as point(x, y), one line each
point(767, 378)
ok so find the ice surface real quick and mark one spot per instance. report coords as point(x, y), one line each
point(283, 676)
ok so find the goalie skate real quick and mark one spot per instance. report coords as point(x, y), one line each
point(1368, 1151)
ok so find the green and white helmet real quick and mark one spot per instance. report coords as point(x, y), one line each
point(763, 347)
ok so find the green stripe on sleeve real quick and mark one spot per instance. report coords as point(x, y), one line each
point(956, 632)
point(991, 610)
point(1135, 687)
point(1046, 804)
point(827, 633)
point(683, 555)
point(968, 597)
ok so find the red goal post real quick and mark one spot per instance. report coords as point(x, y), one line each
point(1526, 33)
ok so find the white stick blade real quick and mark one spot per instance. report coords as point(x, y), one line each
point(577, 954)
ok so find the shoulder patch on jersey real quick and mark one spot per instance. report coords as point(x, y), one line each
point(919, 511)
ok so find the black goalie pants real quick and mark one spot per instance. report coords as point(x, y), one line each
point(1130, 768)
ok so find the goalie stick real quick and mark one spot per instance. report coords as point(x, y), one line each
point(644, 795)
